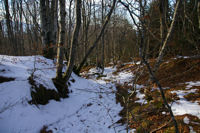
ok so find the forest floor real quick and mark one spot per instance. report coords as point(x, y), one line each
point(98, 103)
point(146, 112)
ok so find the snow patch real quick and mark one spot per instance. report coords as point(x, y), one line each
point(183, 106)
point(191, 84)
point(186, 120)
point(191, 130)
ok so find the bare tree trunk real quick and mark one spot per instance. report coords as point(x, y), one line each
point(69, 30)
point(43, 19)
point(102, 39)
point(198, 11)
point(74, 42)
point(9, 28)
point(48, 26)
point(98, 38)
point(142, 55)
point(15, 27)
point(53, 26)
point(95, 28)
point(161, 53)
point(20, 8)
point(113, 42)
point(61, 42)
point(154, 79)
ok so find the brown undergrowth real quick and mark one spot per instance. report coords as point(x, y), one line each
point(153, 116)
point(174, 72)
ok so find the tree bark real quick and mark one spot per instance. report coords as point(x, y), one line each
point(102, 39)
point(161, 53)
point(198, 12)
point(98, 38)
point(9, 28)
point(48, 26)
point(69, 30)
point(74, 42)
point(61, 42)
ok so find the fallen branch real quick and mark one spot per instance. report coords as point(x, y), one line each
point(162, 126)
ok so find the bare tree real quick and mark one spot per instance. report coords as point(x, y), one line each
point(103, 36)
point(198, 11)
point(142, 48)
point(74, 41)
point(61, 41)
point(165, 40)
point(69, 28)
point(9, 28)
point(48, 26)
point(98, 37)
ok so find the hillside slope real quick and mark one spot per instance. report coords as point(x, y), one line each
point(91, 107)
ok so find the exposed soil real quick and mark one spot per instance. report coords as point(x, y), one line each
point(5, 79)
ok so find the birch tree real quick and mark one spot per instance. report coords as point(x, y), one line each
point(61, 41)
point(95, 43)
point(74, 41)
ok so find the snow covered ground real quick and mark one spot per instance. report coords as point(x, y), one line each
point(91, 108)
point(183, 106)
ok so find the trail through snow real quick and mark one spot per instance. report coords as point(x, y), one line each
point(91, 108)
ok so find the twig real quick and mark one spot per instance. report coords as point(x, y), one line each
point(162, 126)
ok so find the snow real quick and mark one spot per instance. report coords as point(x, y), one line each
point(186, 120)
point(183, 106)
point(191, 130)
point(141, 98)
point(163, 113)
point(90, 108)
point(132, 131)
point(191, 84)
point(120, 77)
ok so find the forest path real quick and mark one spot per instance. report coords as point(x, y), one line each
point(90, 108)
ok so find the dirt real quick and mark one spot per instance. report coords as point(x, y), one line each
point(5, 79)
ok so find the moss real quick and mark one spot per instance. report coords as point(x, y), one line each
point(61, 87)
point(145, 124)
point(158, 104)
point(140, 129)
point(41, 94)
point(169, 130)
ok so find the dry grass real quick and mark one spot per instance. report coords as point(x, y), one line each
point(173, 74)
